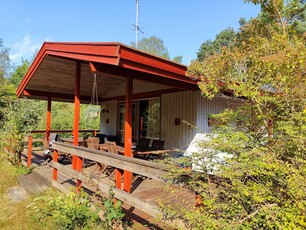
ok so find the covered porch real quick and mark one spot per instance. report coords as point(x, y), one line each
point(128, 83)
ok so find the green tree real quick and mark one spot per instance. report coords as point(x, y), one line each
point(300, 23)
point(6, 90)
point(208, 48)
point(261, 182)
point(4, 61)
point(288, 16)
point(152, 45)
point(19, 73)
point(178, 59)
point(155, 46)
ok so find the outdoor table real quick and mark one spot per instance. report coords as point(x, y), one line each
point(144, 151)
point(70, 140)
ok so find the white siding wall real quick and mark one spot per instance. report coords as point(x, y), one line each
point(206, 107)
point(191, 107)
point(138, 87)
point(109, 128)
point(181, 105)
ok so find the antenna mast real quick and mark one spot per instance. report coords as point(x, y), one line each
point(137, 27)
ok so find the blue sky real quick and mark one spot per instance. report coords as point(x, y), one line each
point(182, 24)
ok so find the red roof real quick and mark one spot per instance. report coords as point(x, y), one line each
point(111, 58)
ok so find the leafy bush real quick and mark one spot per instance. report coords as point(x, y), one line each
point(261, 183)
point(66, 211)
point(22, 170)
point(113, 211)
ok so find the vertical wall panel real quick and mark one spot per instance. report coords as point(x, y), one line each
point(109, 128)
point(191, 107)
point(138, 87)
point(206, 107)
point(178, 105)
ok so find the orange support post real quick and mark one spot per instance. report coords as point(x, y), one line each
point(128, 131)
point(29, 151)
point(48, 127)
point(77, 161)
point(118, 174)
point(55, 159)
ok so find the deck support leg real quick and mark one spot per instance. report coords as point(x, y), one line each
point(128, 131)
point(48, 122)
point(77, 161)
point(55, 159)
point(30, 139)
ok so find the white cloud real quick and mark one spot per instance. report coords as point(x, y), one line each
point(25, 49)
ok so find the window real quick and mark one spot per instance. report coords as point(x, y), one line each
point(149, 118)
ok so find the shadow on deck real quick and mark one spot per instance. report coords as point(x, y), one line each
point(150, 191)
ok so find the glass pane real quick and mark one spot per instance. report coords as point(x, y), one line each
point(122, 119)
point(150, 119)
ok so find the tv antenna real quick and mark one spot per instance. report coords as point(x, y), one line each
point(136, 25)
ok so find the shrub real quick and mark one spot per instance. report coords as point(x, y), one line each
point(69, 211)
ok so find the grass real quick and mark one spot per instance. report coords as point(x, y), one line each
point(14, 215)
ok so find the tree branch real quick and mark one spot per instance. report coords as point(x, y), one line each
point(254, 213)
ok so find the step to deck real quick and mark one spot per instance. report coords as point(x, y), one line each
point(35, 182)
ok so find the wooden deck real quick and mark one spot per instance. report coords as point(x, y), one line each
point(143, 188)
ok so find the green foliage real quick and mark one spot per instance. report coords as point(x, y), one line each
point(4, 61)
point(7, 95)
point(69, 211)
point(178, 59)
point(63, 116)
point(19, 73)
point(113, 212)
point(261, 182)
point(22, 170)
point(289, 15)
point(20, 118)
point(154, 45)
point(208, 48)
point(299, 25)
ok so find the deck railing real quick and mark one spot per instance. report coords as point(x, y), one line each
point(66, 131)
point(138, 166)
point(29, 139)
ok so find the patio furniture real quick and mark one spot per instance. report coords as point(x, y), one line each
point(101, 137)
point(71, 140)
point(111, 148)
point(146, 152)
point(143, 142)
point(158, 144)
point(92, 142)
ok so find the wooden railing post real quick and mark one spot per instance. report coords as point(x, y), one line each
point(30, 139)
point(55, 159)
point(118, 174)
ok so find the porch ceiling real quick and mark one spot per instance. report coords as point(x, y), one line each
point(53, 71)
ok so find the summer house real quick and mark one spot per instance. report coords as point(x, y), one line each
point(141, 95)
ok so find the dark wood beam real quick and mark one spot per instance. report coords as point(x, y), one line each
point(175, 81)
point(143, 95)
point(30, 92)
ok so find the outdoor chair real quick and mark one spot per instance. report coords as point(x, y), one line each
point(92, 143)
point(48, 152)
point(111, 148)
point(143, 142)
point(158, 144)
